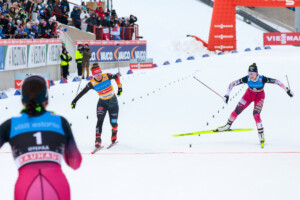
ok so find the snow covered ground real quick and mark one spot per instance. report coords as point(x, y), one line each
point(149, 163)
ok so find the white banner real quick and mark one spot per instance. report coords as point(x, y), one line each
point(53, 54)
point(16, 57)
point(37, 55)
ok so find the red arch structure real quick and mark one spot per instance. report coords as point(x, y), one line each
point(222, 35)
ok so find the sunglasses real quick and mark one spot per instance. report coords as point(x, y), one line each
point(252, 73)
point(99, 74)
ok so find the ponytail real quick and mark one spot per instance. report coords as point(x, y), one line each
point(32, 108)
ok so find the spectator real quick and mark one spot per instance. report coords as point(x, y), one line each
point(92, 21)
point(100, 12)
point(84, 16)
point(86, 60)
point(65, 63)
point(132, 20)
point(43, 29)
point(64, 17)
point(51, 27)
point(75, 15)
point(12, 13)
point(83, 6)
point(58, 11)
point(65, 3)
point(78, 58)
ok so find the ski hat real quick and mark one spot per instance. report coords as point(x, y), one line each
point(253, 68)
point(96, 69)
point(34, 88)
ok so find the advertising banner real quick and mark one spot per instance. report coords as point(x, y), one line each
point(37, 55)
point(112, 51)
point(53, 54)
point(16, 57)
point(1, 57)
point(141, 64)
point(19, 77)
point(282, 38)
point(19, 54)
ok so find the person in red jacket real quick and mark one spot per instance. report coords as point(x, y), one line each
point(40, 140)
point(100, 12)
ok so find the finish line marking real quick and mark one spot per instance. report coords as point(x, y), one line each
point(183, 153)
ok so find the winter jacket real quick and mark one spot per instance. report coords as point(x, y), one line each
point(86, 57)
point(75, 15)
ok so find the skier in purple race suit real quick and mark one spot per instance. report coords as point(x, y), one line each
point(39, 141)
point(255, 93)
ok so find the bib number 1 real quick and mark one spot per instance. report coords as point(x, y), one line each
point(38, 137)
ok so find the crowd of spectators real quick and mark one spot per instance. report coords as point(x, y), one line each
point(27, 19)
point(88, 21)
point(38, 18)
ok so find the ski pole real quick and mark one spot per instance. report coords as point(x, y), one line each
point(288, 81)
point(118, 62)
point(78, 86)
point(209, 87)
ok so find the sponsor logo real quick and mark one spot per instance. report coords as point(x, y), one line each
point(221, 26)
point(141, 65)
point(223, 47)
point(224, 36)
point(38, 156)
point(283, 38)
point(114, 114)
point(100, 108)
point(114, 120)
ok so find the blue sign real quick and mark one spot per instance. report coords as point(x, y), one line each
point(111, 53)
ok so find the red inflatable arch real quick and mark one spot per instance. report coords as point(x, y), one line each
point(222, 35)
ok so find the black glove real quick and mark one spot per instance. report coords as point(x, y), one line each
point(226, 98)
point(119, 91)
point(289, 92)
point(73, 104)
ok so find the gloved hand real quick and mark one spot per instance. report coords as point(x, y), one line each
point(226, 98)
point(73, 104)
point(120, 90)
point(289, 92)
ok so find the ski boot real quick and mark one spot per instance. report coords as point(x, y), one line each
point(226, 127)
point(98, 141)
point(261, 137)
point(114, 136)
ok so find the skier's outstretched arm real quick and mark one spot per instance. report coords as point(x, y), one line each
point(117, 79)
point(88, 87)
point(233, 84)
point(72, 155)
point(279, 83)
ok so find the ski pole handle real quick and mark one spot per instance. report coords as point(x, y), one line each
point(208, 87)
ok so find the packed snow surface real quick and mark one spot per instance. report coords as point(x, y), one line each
point(148, 162)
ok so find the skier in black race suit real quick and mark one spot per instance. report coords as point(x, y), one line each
point(40, 140)
point(108, 101)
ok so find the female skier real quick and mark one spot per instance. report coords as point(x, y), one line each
point(108, 101)
point(39, 140)
point(255, 93)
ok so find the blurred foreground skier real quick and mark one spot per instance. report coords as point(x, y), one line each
point(40, 140)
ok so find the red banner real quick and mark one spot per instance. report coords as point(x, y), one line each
point(141, 65)
point(282, 38)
